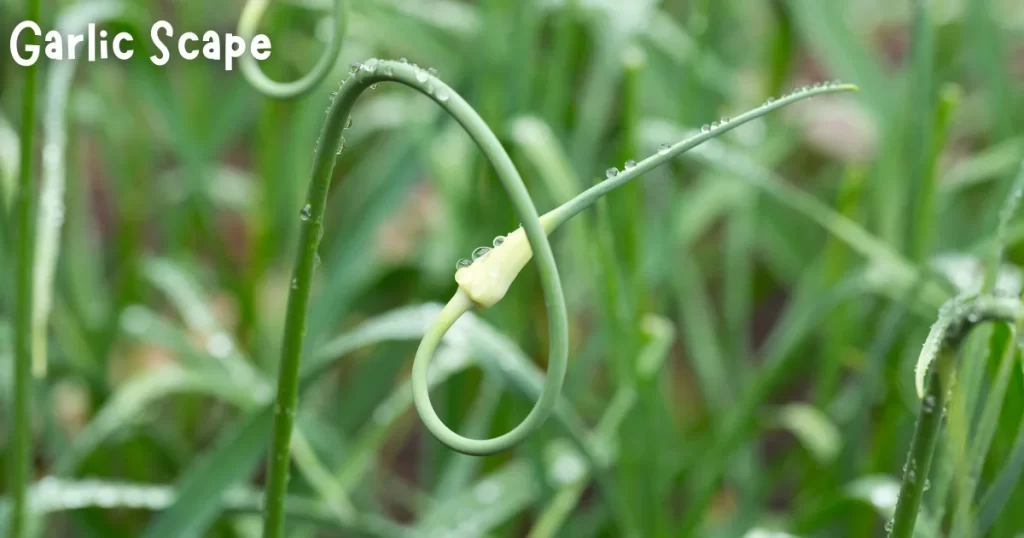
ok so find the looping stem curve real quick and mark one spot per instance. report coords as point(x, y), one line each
point(331, 137)
point(248, 24)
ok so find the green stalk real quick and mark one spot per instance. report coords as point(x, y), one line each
point(331, 138)
point(955, 320)
point(924, 224)
point(918, 129)
point(780, 47)
point(963, 517)
point(248, 26)
point(591, 195)
point(311, 228)
point(922, 448)
point(21, 436)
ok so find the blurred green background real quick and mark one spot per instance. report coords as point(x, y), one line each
point(742, 370)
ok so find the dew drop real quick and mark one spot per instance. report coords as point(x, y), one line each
point(316, 260)
point(769, 101)
point(462, 264)
point(888, 525)
point(442, 96)
point(389, 71)
point(665, 148)
point(354, 68)
point(432, 71)
point(333, 95)
point(348, 122)
point(371, 65)
point(714, 125)
point(295, 283)
point(421, 76)
point(724, 120)
point(927, 484)
point(630, 164)
point(306, 212)
point(611, 172)
point(480, 252)
point(404, 60)
point(929, 404)
point(498, 241)
point(705, 128)
point(341, 147)
point(374, 86)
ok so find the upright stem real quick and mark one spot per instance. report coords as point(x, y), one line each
point(311, 229)
point(21, 438)
point(922, 448)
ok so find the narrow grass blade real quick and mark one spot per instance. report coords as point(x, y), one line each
point(52, 495)
point(701, 335)
point(1006, 482)
point(20, 427)
point(133, 398)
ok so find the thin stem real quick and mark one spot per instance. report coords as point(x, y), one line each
point(248, 25)
point(53, 172)
point(21, 437)
point(955, 319)
point(331, 138)
point(591, 195)
point(922, 448)
point(1009, 208)
point(985, 430)
point(460, 304)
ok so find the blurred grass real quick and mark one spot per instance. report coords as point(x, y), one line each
point(797, 264)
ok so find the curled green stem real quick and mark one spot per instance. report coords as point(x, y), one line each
point(460, 304)
point(331, 137)
point(248, 25)
point(956, 318)
point(481, 284)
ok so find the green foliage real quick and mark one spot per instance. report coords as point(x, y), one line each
point(740, 328)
